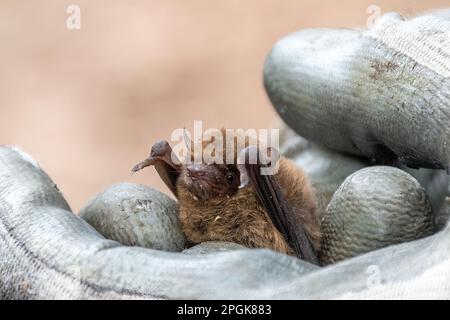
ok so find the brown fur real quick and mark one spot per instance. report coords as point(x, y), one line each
point(241, 218)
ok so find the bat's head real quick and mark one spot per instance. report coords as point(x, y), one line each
point(203, 181)
point(210, 181)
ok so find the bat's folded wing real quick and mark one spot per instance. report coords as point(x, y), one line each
point(276, 204)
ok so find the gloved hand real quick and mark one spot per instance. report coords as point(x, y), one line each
point(46, 251)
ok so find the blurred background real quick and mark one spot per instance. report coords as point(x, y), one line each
point(89, 103)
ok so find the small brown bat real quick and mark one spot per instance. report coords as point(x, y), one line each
point(234, 202)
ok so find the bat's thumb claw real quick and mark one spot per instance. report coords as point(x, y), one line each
point(143, 164)
point(136, 168)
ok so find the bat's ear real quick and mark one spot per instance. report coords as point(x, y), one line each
point(166, 163)
point(252, 155)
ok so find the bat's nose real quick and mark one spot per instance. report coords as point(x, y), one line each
point(195, 170)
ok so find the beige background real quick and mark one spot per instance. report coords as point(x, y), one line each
point(88, 104)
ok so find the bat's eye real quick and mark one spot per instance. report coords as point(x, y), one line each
point(230, 178)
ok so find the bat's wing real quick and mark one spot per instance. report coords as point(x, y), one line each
point(276, 204)
point(166, 164)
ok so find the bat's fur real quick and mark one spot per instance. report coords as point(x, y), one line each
point(241, 218)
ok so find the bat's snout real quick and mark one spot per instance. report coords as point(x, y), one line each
point(195, 171)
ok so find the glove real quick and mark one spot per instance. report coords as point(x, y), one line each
point(46, 251)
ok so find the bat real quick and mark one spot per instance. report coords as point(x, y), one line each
point(236, 203)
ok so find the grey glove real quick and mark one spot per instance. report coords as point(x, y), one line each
point(46, 251)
